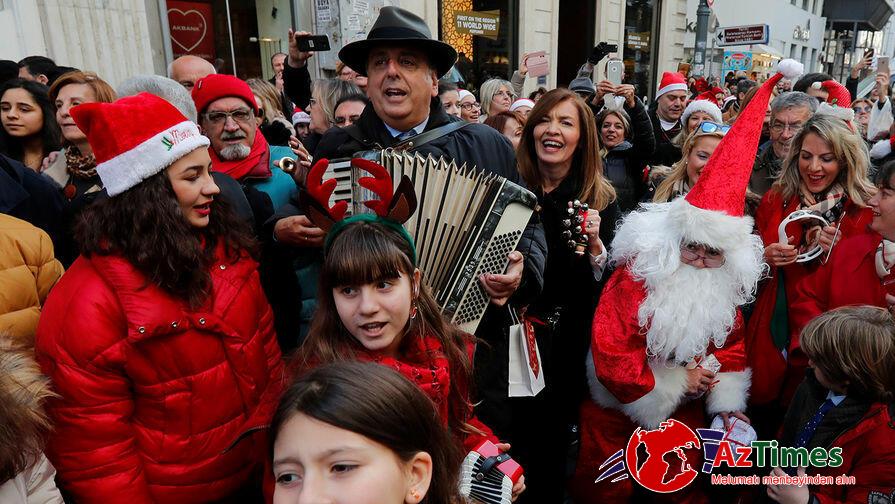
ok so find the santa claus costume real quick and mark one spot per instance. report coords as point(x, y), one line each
point(658, 314)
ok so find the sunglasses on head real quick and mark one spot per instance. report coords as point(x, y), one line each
point(713, 127)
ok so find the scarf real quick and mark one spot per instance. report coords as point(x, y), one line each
point(679, 188)
point(830, 207)
point(425, 364)
point(255, 165)
point(79, 165)
point(885, 258)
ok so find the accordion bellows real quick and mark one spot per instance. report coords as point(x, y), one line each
point(467, 222)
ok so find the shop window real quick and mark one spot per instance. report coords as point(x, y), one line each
point(641, 35)
point(481, 57)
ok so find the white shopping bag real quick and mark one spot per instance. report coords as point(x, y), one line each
point(525, 372)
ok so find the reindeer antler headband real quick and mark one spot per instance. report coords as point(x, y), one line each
point(392, 209)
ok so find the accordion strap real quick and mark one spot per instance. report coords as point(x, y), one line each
point(412, 142)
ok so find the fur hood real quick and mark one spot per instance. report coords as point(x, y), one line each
point(23, 423)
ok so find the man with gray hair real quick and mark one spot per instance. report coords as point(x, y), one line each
point(789, 111)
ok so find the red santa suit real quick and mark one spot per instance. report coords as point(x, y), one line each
point(661, 312)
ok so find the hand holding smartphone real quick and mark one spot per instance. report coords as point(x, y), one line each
point(307, 43)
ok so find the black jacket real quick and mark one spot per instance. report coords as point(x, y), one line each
point(31, 197)
point(666, 153)
point(297, 85)
point(624, 163)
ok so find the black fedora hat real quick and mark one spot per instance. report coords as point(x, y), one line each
point(396, 26)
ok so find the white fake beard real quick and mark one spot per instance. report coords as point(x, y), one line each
point(235, 152)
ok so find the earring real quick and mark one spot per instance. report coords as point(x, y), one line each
point(413, 311)
point(415, 494)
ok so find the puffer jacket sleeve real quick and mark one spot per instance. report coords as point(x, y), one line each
point(80, 346)
point(48, 269)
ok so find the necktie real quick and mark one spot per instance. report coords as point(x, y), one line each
point(807, 431)
point(406, 135)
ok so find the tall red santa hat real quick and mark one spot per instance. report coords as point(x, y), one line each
point(135, 137)
point(712, 212)
point(671, 81)
point(838, 103)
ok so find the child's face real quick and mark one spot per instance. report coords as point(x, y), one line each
point(377, 313)
point(316, 462)
point(838, 388)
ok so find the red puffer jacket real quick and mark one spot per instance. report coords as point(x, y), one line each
point(158, 402)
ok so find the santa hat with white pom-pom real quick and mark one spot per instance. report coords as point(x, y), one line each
point(882, 148)
point(838, 103)
point(712, 212)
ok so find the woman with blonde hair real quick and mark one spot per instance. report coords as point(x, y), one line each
point(559, 159)
point(496, 96)
point(274, 125)
point(825, 174)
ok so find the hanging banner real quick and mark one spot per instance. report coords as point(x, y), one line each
point(735, 61)
point(482, 23)
point(192, 30)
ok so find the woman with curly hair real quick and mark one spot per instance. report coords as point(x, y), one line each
point(159, 338)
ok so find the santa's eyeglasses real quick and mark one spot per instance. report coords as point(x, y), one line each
point(711, 257)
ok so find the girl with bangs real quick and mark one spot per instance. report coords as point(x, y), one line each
point(374, 305)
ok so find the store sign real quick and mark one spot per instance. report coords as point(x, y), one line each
point(734, 61)
point(638, 41)
point(743, 35)
point(192, 31)
point(483, 23)
point(798, 33)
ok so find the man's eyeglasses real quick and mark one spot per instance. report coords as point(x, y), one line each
point(858, 109)
point(711, 258)
point(470, 106)
point(713, 127)
point(779, 127)
point(242, 115)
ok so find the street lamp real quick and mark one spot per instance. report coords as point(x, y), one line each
point(702, 29)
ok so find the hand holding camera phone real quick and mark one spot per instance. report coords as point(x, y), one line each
point(307, 43)
point(600, 51)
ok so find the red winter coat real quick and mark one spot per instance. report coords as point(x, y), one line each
point(780, 376)
point(629, 391)
point(158, 402)
point(848, 278)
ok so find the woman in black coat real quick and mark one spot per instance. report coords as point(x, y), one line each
point(626, 143)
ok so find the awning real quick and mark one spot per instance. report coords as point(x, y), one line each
point(766, 51)
point(868, 14)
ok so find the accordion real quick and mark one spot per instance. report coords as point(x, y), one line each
point(467, 222)
point(488, 476)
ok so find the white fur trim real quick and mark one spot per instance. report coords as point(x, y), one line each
point(846, 114)
point(521, 102)
point(790, 68)
point(881, 149)
point(702, 106)
point(150, 157)
point(730, 393)
point(653, 408)
point(677, 86)
point(709, 227)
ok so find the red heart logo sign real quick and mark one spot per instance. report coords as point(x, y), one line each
point(188, 28)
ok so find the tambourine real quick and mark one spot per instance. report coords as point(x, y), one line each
point(574, 227)
point(798, 215)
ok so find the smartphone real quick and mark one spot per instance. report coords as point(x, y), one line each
point(882, 65)
point(869, 53)
point(614, 70)
point(537, 64)
point(313, 43)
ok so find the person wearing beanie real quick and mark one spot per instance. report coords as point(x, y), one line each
point(826, 174)
point(665, 114)
point(230, 117)
point(667, 338)
point(159, 340)
point(302, 122)
point(697, 112)
point(470, 108)
point(523, 106)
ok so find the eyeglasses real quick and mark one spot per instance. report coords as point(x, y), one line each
point(470, 106)
point(312, 102)
point(858, 109)
point(711, 258)
point(779, 127)
point(242, 115)
point(713, 127)
point(507, 94)
point(350, 119)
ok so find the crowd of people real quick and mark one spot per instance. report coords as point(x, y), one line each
point(185, 317)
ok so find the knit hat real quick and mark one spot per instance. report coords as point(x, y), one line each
point(300, 117)
point(582, 85)
point(464, 93)
point(135, 137)
point(671, 81)
point(838, 102)
point(882, 148)
point(217, 86)
point(521, 102)
point(712, 212)
point(698, 105)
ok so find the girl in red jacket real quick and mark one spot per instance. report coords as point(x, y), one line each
point(158, 339)
point(377, 440)
point(373, 305)
point(826, 174)
point(845, 405)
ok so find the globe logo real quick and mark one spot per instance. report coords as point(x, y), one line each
point(665, 468)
